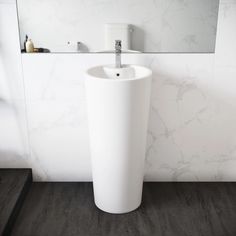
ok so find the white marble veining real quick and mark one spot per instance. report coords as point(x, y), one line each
point(192, 131)
point(56, 111)
point(159, 25)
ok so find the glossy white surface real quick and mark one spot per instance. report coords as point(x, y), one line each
point(117, 73)
point(159, 25)
point(118, 112)
point(14, 148)
point(128, 72)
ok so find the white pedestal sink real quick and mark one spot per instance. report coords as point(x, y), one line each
point(118, 107)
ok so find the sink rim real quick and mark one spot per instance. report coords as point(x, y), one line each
point(91, 75)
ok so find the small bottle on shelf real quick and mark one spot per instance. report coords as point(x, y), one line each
point(29, 46)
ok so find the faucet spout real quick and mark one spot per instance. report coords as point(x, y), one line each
point(118, 53)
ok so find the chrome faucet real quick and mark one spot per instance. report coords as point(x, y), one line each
point(118, 53)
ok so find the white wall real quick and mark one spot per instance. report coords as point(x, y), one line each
point(192, 131)
point(14, 147)
point(159, 25)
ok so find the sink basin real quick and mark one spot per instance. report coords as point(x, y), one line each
point(118, 107)
point(125, 72)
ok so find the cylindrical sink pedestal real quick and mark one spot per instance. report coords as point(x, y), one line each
point(118, 116)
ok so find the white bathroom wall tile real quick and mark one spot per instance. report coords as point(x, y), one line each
point(206, 142)
point(59, 140)
point(14, 147)
point(58, 76)
point(10, 57)
point(180, 101)
point(191, 134)
point(57, 117)
point(60, 113)
point(10, 133)
point(223, 90)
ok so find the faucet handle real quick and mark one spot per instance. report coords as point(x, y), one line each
point(118, 44)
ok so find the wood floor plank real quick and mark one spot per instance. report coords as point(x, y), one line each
point(168, 209)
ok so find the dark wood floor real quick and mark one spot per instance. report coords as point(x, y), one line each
point(14, 184)
point(168, 209)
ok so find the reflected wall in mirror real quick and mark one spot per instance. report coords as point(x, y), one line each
point(143, 25)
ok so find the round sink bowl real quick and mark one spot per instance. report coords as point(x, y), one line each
point(129, 72)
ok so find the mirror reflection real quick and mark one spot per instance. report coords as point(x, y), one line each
point(177, 26)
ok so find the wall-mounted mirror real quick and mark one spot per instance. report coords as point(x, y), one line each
point(176, 26)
